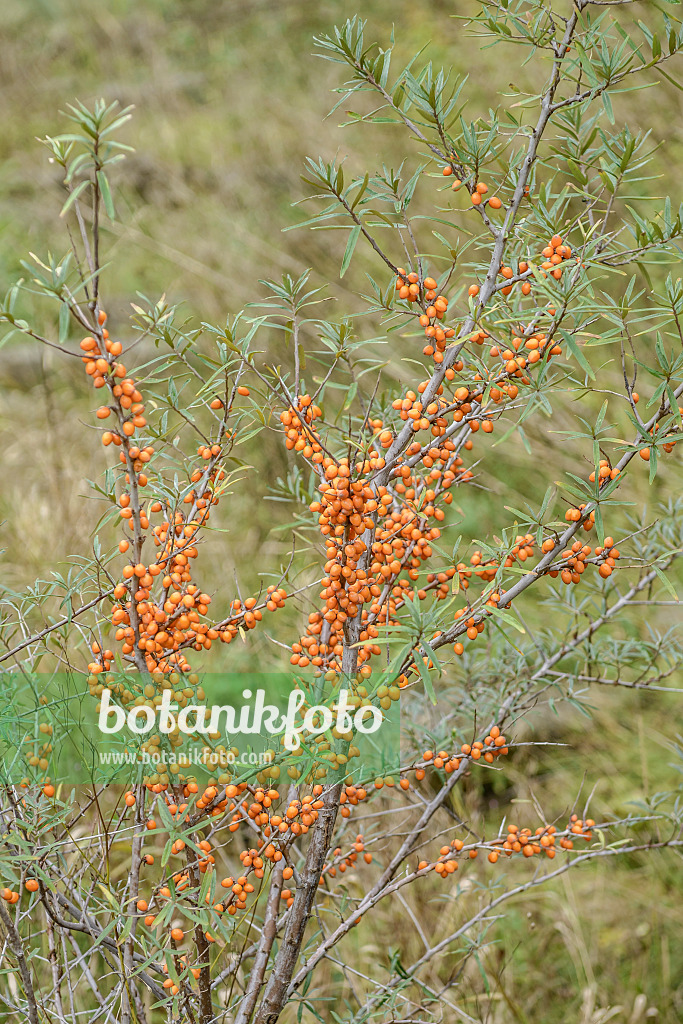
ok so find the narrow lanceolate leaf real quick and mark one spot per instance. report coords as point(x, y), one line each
point(667, 582)
point(361, 192)
point(105, 192)
point(578, 354)
point(599, 525)
point(63, 323)
point(426, 678)
point(350, 246)
point(607, 104)
point(74, 196)
point(509, 617)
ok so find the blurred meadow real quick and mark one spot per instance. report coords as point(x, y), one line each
point(229, 101)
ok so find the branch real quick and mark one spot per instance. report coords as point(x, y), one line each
point(15, 942)
point(276, 993)
point(57, 625)
point(268, 934)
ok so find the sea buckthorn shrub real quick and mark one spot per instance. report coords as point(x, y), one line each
point(519, 283)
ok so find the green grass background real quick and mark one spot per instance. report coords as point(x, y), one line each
point(229, 101)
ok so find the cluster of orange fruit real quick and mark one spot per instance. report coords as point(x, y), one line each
point(510, 362)
point(486, 570)
point(175, 620)
point(556, 252)
point(12, 896)
point(518, 841)
point(161, 624)
point(578, 828)
point(402, 516)
point(185, 970)
point(668, 446)
point(434, 308)
point(478, 191)
point(239, 891)
point(433, 416)
point(300, 436)
point(277, 827)
point(276, 830)
point(161, 628)
point(349, 503)
point(521, 841)
point(104, 369)
point(513, 363)
point(604, 473)
point(574, 560)
point(348, 506)
point(492, 746)
point(574, 515)
point(342, 861)
point(420, 484)
point(351, 796)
